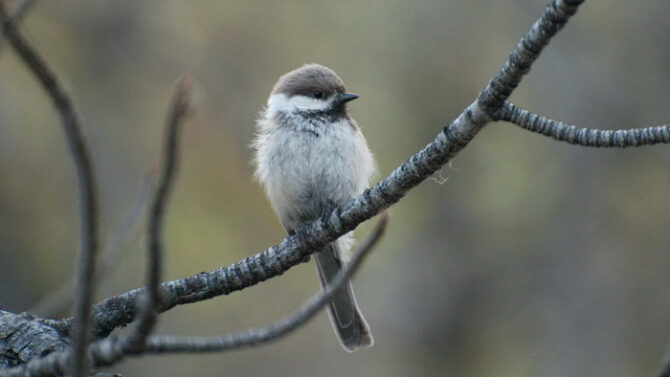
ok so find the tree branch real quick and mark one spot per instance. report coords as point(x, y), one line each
point(586, 137)
point(86, 182)
point(25, 338)
point(254, 336)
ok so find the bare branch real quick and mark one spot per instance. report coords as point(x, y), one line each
point(59, 302)
point(17, 15)
point(586, 137)
point(87, 187)
point(254, 336)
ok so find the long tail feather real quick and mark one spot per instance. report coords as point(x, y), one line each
point(351, 328)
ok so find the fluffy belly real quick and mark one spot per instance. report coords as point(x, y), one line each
point(309, 173)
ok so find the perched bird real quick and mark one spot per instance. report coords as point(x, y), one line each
point(312, 157)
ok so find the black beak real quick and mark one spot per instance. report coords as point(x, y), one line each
point(346, 97)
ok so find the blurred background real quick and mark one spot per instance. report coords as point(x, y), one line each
point(533, 258)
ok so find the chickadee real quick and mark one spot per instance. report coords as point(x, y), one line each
point(312, 157)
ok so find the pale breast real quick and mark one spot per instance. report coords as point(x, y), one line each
point(309, 169)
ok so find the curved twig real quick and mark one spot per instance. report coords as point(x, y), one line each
point(88, 203)
point(254, 336)
point(583, 136)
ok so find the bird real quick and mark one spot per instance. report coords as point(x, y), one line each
point(311, 157)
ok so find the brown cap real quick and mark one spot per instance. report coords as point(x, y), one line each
point(309, 79)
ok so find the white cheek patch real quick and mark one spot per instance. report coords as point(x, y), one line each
point(280, 103)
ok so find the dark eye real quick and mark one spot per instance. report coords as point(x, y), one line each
point(318, 94)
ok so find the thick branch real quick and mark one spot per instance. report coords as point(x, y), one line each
point(586, 137)
point(26, 338)
point(87, 186)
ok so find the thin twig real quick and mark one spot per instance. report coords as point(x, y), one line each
point(17, 16)
point(254, 336)
point(59, 302)
point(179, 108)
point(583, 136)
point(87, 187)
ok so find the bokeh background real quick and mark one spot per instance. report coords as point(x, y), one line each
point(533, 258)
